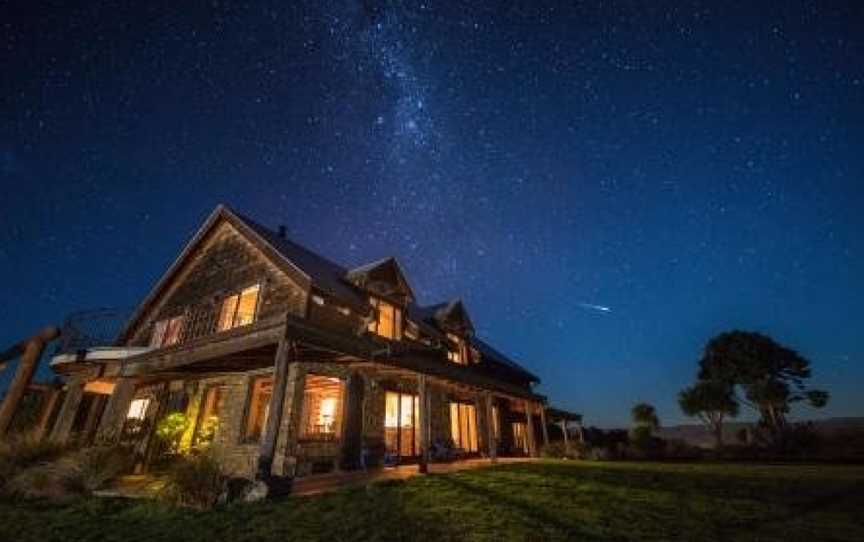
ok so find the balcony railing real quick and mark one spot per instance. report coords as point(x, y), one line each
point(91, 328)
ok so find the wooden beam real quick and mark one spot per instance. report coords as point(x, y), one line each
point(285, 354)
point(423, 403)
point(543, 424)
point(49, 403)
point(490, 428)
point(66, 417)
point(114, 417)
point(529, 425)
point(32, 351)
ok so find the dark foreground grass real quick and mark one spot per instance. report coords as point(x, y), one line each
point(538, 501)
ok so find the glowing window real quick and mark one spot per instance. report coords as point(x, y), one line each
point(463, 426)
point(259, 407)
point(496, 423)
point(322, 407)
point(387, 321)
point(138, 409)
point(239, 309)
point(457, 352)
point(209, 415)
point(402, 424)
point(520, 437)
point(167, 332)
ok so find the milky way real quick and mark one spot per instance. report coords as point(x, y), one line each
point(693, 166)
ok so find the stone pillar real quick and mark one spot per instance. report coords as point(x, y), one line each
point(284, 462)
point(285, 354)
point(543, 424)
point(529, 429)
point(114, 417)
point(491, 441)
point(66, 417)
point(423, 403)
point(20, 382)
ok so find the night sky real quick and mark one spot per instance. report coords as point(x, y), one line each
point(606, 185)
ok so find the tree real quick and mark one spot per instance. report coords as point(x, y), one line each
point(772, 376)
point(711, 402)
point(645, 415)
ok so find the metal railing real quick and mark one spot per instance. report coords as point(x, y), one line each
point(90, 328)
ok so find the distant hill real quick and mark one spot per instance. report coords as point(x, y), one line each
point(697, 435)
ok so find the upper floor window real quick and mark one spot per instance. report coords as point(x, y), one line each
point(387, 321)
point(167, 332)
point(458, 351)
point(239, 309)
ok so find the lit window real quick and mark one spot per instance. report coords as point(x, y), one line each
point(463, 426)
point(259, 407)
point(387, 320)
point(457, 353)
point(239, 309)
point(138, 409)
point(209, 415)
point(322, 406)
point(167, 332)
point(520, 437)
point(402, 424)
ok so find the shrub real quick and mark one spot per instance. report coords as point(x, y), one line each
point(20, 452)
point(559, 450)
point(78, 472)
point(170, 430)
point(195, 481)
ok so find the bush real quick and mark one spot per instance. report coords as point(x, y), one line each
point(20, 452)
point(195, 481)
point(78, 472)
point(559, 450)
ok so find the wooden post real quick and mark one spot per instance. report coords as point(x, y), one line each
point(49, 402)
point(543, 424)
point(423, 403)
point(285, 354)
point(114, 417)
point(66, 417)
point(563, 423)
point(529, 424)
point(490, 428)
point(352, 433)
point(26, 367)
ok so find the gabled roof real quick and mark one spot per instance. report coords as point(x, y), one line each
point(441, 312)
point(497, 357)
point(361, 274)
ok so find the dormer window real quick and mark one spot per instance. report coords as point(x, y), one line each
point(387, 320)
point(239, 309)
point(458, 350)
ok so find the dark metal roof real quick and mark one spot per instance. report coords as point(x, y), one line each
point(490, 353)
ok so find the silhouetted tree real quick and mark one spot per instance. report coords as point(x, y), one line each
point(645, 415)
point(771, 376)
point(711, 402)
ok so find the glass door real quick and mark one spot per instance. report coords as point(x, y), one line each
point(401, 423)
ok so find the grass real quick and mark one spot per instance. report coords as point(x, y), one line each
point(534, 501)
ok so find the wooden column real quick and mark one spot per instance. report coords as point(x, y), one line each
point(566, 436)
point(114, 418)
point(352, 435)
point(49, 402)
point(423, 403)
point(285, 354)
point(490, 428)
point(543, 424)
point(66, 417)
point(26, 367)
point(529, 425)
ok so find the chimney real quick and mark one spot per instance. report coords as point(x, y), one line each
point(283, 232)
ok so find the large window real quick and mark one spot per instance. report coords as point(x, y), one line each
point(401, 424)
point(209, 416)
point(167, 332)
point(322, 407)
point(259, 408)
point(239, 309)
point(138, 409)
point(463, 426)
point(387, 320)
point(520, 437)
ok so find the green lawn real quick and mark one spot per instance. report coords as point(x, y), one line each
point(536, 501)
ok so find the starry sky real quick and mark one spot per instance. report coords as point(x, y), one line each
point(605, 184)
